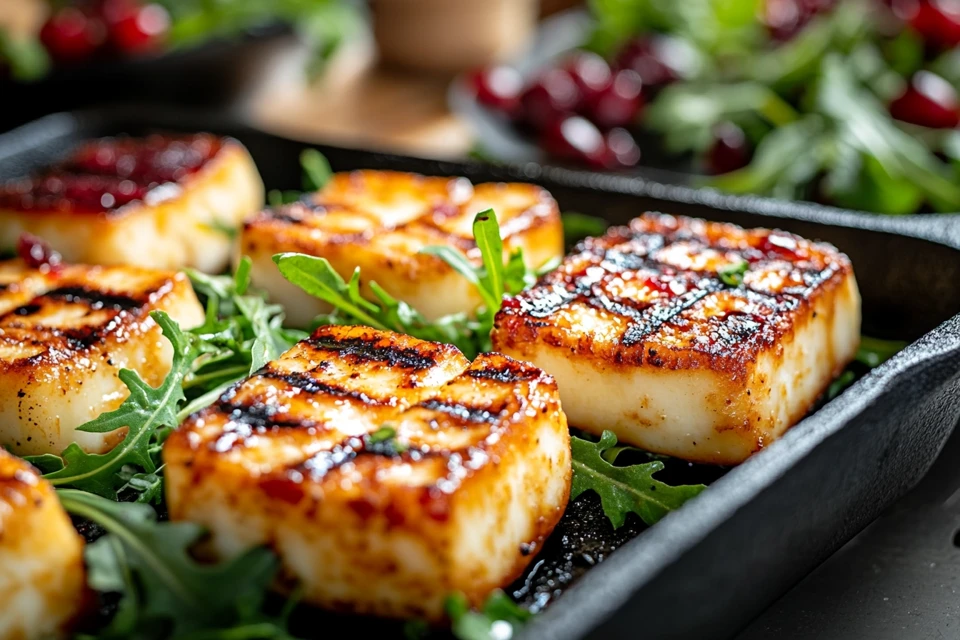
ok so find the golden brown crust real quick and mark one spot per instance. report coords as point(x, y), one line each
point(654, 285)
point(447, 439)
point(388, 212)
point(52, 316)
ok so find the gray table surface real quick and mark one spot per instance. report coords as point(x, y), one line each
point(899, 579)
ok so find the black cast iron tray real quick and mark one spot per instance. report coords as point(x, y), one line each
point(708, 569)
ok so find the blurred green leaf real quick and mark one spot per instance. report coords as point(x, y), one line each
point(27, 58)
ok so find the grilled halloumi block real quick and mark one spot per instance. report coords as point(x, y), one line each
point(380, 220)
point(42, 583)
point(65, 334)
point(645, 339)
point(295, 457)
point(158, 202)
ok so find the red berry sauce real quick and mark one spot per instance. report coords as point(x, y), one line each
point(106, 174)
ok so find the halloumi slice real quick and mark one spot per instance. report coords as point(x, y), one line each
point(42, 582)
point(65, 334)
point(161, 202)
point(646, 340)
point(380, 220)
point(476, 477)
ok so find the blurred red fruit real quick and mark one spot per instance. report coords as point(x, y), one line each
point(929, 101)
point(658, 60)
point(623, 147)
point(617, 103)
point(730, 149)
point(785, 18)
point(937, 21)
point(498, 88)
point(552, 96)
point(576, 139)
point(590, 72)
point(71, 36)
point(135, 28)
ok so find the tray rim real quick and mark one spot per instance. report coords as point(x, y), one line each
point(681, 530)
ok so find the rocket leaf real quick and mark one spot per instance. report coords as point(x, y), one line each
point(624, 490)
point(144, 411)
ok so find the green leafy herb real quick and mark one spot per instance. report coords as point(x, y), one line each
point(874, 351)
point(624, 490)
point(843, 381)
point(165, 592)
point(217, 226)
point(732, 274)
point(470, 334)
point(499, 618)
point(577, 226)
point(316, 170)
point(241, 331)
point(26, 56)
point(145, 410)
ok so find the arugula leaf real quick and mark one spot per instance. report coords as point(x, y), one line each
point(499, 618)
point(26, 56)
point(624, 490)
point(145, 410)
point(577, 226)
point(486, 233)
point(318, 278)
point(241, 331)
point(316, 170)
point(471, 335)
point(732, 274)
point(874, 351)
point(149, 563)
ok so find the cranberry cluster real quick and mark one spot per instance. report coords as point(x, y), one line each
point(81, 30)
point(578, 109)
point(929, 100)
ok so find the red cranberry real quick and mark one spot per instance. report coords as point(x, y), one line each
point(36, 253)
point(929, 101)
point(730, 149)
point(937, 21)
point(623, 148)
point(71, 36)
point(658, 60)
point(135, 28)
point(785, 18)
point(551, 97)
point(498, 88)
point(618, 103)
point(591, 73)
point(576, 139)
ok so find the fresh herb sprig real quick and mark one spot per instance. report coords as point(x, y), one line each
point(163, 591)
point(315, 173)
point(241, 332)
point(470, 334)
point(499, 617)
point(145, 411)
point(623, 490)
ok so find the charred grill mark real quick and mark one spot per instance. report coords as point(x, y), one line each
point(26, 310)
point(506, 372)
point(463, 412)
point(656, 317)
point(96, 300)
point(260, 416)
point(310, 385)
point(368, 350)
